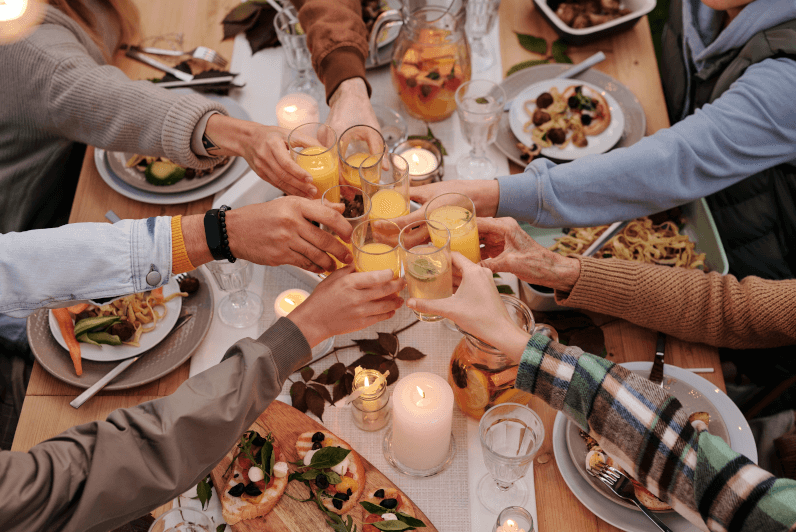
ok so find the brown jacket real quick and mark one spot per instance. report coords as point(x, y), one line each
point(337, 38)
point(690, 304)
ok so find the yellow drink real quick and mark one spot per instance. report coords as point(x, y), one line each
point(351, 172)
point(388, 203)
point(337, 262)
point(321, 163)
point(464, 231)
point(385, 260)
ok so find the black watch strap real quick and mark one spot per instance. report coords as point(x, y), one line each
point(216, 234)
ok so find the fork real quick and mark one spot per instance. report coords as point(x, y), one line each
point(623, 488)
point(200, 52)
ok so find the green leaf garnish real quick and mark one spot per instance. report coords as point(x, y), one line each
point(433, 75)
point(205, 492)
point(392, 525)
point(505, 289)
point(558, 51)
point(533, 44)
point(526, 64)
point(413, 522)
point(221, 527)
point(481, 100)
point(374, 508)
point(328, 457)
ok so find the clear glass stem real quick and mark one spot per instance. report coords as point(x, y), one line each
point(238, 299)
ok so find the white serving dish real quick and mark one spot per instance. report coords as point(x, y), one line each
point(638, 8)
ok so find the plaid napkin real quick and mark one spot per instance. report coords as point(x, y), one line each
point(256, 18)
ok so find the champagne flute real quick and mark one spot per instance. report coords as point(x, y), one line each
point(241, 308)
point(479, 104)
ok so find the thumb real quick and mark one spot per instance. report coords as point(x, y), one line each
point(497, 264)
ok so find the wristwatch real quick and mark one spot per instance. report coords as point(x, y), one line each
point(216, 234)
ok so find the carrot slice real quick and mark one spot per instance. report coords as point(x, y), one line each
point(77, 309)
point(67, 327)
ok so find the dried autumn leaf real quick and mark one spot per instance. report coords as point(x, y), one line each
point(298, 393)
point(392, 367)
point(339, 390)
point(323, 391)
point(389, 342)
point(372, 346)
point(409, 353)
point(369, 361)
point(348, 380)
point(307, 373)
point(337, 370)
point(315, 402)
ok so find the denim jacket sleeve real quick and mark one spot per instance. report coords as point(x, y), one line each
point(48, 267)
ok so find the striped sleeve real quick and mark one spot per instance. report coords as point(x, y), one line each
point(646, 431)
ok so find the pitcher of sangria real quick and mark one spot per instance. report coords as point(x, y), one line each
point(431, 57)
point(481, 375)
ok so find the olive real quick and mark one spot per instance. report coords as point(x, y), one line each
point(544, 100)
point(390, 504)
point(237, 489)
point(235, 475)
point(318, 436)
point(573, 102)
point(378, 494)
point(316, 445)
point(341, 496)
point(557, 135)
point(252, 489)
point(258, 441)
point(337, 503)
point(585, 119)
point(540, 117)
point(321, 481)
point(349, 492)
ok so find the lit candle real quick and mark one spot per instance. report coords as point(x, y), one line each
point(370, 399)
point(422, 420)
point(296, 109)
point(287, 301)
point(421, 161)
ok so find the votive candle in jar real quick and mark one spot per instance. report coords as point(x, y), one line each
point(287, 301)
point(424, 160)
point(371, 409)
point(296, 109)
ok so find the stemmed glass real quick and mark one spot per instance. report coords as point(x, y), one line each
point(481, 17)
point(241, 308)
point(479, 104)
point(511, 435)
point(297, 54)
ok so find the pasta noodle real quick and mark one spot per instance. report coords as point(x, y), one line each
point(559, 118)
point(138, 310)
point(640, 241)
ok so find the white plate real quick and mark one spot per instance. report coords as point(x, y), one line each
point(110, 353)
point(597, 144)
point(739, 433)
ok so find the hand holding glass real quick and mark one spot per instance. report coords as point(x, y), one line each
point(320, 159)
point(357, 144)
point(376, 246)
point(456, 212)
point(357, 210)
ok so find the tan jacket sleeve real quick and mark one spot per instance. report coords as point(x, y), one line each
point(100, 475)
point(337, 39)
point(692, 305)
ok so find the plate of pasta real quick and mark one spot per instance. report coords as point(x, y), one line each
point(125, 327)
point(566, 119)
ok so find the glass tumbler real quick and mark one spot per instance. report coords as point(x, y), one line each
point(297, 54)
point(392, 124)
point(511, 435)
point(375, 244)
point(182, 519)
point(357, 210)
point(359, 145)
point(314, 147)
point(427, 262)
point(241, 308)
point(457, 212)
point(387, 184)
point(479, 104)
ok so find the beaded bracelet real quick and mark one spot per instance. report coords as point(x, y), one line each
point(222, 218)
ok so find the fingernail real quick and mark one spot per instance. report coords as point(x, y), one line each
point(313, 191)
point(410, 303)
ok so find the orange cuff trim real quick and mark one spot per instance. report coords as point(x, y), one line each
point(180, 262)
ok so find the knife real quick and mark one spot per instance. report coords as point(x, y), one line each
point(138, 56)
point(656, 375)
point(100, 384)
point(222, 82)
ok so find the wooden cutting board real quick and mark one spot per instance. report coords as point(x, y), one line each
point(286, 424)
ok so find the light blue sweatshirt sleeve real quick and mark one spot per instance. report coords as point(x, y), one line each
point(85, 261)
point(751, 127)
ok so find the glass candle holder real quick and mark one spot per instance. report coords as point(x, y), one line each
point(314, 147)
point(359, 146)
point(421, 155)
point(387, 185)
point(371, 410)
point(514, 519)
point(392, 124)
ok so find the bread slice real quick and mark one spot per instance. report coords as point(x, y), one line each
point(355, 468)
point(236, 509)
point(403, 506)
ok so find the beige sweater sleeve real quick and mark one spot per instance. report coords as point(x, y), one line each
point(690, 304)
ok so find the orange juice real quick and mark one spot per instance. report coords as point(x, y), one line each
point(376, 256)
point(351, 170)
point(388, 203)
point(321, 164)
point(464, 231)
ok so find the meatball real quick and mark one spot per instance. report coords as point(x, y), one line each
point(540, 117)
point(557, 135)
point(124, 330)
point(189, 285)
point(544, 100)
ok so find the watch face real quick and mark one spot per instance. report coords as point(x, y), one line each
point(213, 234)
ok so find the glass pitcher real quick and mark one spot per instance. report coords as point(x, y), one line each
point(481, 375)
point(431, 57)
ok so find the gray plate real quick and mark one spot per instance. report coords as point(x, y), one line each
point(117, 161)
point(635, 120)
point(159, 361)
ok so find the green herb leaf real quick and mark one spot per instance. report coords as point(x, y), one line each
point(533, 44)
point(221, 527)
point(374, 508)
point(328, 457)
point(433, 75)
point(392, 525)
point(409, 520)
point(505, 289)
point(495, 276)
point(526, 64)
point(312, 474)
point(481, 100)
point(267, 458)
point(558, 51)
point(205, 492)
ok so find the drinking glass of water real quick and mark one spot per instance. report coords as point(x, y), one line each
point(479, 104)
point(511, 435)
point(184, 519)
point(241, 308)
point(481, 17)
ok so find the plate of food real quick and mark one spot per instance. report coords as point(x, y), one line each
point(695, 393)
point(125, 327)
point(566, 119)
point(160, 175)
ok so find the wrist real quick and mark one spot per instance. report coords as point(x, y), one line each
point(235, 232)
point(566, 273)
point(309, 327)
point(490, 200)
point(352, 87)
point(513, 343)
point(226, 136)
point(193, 233)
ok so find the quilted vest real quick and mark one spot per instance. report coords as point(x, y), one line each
point(756, 217)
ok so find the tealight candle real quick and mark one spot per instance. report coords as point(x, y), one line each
point(287, 301)
point(421, 161)
point(422, 421)
point(296, 109)
point(370, 400)
point(514, 519)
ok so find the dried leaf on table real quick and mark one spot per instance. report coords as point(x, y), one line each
point(323, 391)
point(533, 44)
point(559, 52)
point(392, 367)
point(332, 374)
point(307, 373)
point(348, 381)
point(409, 353)
point(369, 361)
point(339, 390)
point(526, 64)
point(389, 342)
point(298, 393)
point(372, 346)
point(315, 402)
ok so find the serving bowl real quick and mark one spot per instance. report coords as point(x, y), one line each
point(638, 8)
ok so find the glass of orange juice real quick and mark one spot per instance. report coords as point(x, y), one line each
point(357, 210)
point(387, 184)
point(375, 243)
point(353, 149)
point(456, 212)
point(314, 148)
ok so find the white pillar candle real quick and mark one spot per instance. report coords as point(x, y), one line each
point(288, 300)
point(422, 420)
point(296, 109)
point(421, 161)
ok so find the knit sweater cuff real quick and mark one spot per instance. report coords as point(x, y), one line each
point(178, 128)
point(604, 286)
point(341, 64)
point(179, 254)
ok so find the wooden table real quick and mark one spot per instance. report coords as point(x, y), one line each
point(630, 59)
